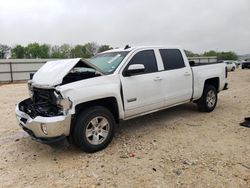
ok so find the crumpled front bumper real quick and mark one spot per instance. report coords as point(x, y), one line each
point(57, 127)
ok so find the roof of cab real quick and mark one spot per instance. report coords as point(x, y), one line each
point(139, 47)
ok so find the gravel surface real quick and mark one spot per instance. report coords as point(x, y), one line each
point(177, 147)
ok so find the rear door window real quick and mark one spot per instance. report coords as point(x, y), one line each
point(172, 59)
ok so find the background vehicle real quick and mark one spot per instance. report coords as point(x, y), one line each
point(85, 100)
point(231, 66)
point(245, 64)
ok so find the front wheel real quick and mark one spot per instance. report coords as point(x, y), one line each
point(94, 129)
point(208, 100)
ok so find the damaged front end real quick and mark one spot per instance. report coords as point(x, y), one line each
point(44, 116)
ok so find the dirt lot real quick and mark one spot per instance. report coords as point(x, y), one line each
point(177, 147)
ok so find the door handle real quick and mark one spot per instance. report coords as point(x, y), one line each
point(187, 74)
point(157, 78)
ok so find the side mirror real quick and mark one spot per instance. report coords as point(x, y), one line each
point(135, 69)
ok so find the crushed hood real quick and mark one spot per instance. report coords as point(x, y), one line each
point(53, 72)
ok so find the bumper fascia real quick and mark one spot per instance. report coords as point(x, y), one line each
point(57, 127)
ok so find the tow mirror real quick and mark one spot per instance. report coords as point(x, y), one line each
point(135, 69)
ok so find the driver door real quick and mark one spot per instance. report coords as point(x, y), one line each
point(142, 92)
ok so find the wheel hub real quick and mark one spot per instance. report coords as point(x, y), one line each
point(211, 98)
point(97, 130)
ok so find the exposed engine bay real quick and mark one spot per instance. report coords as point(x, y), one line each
point(80, 72)
point(47, 102)
point(42, 103)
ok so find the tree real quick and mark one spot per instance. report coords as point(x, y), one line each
point(44, 51)
point(104, 47)
point(78, 51)
point(227, 56)
point(18, 52)
point(32, 50)
point(91, 49)
point(63, 51)
point(222, 55)
point(4, 51)
point(55, 52)
point(191, 54)
point(210, 53)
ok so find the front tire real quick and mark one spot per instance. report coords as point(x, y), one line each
point(94, 129)
point(208, 100)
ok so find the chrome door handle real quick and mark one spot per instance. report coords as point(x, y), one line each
point(157, 78)
point(187, 74)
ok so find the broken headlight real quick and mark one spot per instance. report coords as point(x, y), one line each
point(63, 103)
point(30, 89)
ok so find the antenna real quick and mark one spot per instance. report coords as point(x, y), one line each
point(126, 47)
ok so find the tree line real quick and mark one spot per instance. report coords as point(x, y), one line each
point(36, 50)
point(220, 55)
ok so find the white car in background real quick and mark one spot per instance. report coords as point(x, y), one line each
point(231, 66)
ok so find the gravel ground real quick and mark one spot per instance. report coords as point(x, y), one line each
point(177, 147)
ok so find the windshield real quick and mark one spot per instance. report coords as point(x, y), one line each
point(108, 62)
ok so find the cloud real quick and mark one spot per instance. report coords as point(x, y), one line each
point(197, 25)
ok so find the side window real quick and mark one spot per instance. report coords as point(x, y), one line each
point(172, 59)
point(147, 58)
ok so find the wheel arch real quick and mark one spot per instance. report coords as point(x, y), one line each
point(108, 102)
point(213, 81)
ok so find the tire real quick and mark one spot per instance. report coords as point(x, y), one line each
point(94, 129)
point(204, 104)
point(233, 69)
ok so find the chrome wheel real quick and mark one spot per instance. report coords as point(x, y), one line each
point(97, 130)
point(211, 99)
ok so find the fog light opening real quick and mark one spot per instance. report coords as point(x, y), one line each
point(44, 128)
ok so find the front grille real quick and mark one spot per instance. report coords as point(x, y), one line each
point(42, 103)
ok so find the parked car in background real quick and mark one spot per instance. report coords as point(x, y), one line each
point(237, 63)
point(245, 64)
point(231, 66)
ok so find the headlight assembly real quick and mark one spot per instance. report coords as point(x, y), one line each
point(63, 103)
point(30, 89)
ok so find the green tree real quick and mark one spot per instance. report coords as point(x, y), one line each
point(103, 48)
point(32, 50)
point(65, 51)
point(222, 55)
point(191, 54)
point(227, 56)
point(55, 52)
point(91, 49)
point(4, 51)
point(78, 51)
point(44, 51)
point(18, 52)
point(210, 53)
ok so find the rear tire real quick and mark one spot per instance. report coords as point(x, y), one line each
point(233, 69)
point(94, 129)
point(208, 100)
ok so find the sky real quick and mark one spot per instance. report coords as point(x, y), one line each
point(196, 25)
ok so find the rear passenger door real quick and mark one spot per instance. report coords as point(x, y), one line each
point(177, 78)
point(142, 92)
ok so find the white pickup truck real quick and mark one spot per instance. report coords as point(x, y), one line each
point(85, 100)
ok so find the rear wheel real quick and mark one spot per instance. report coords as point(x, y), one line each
point(94, 129)
point(233, 69)
point(208, 100)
